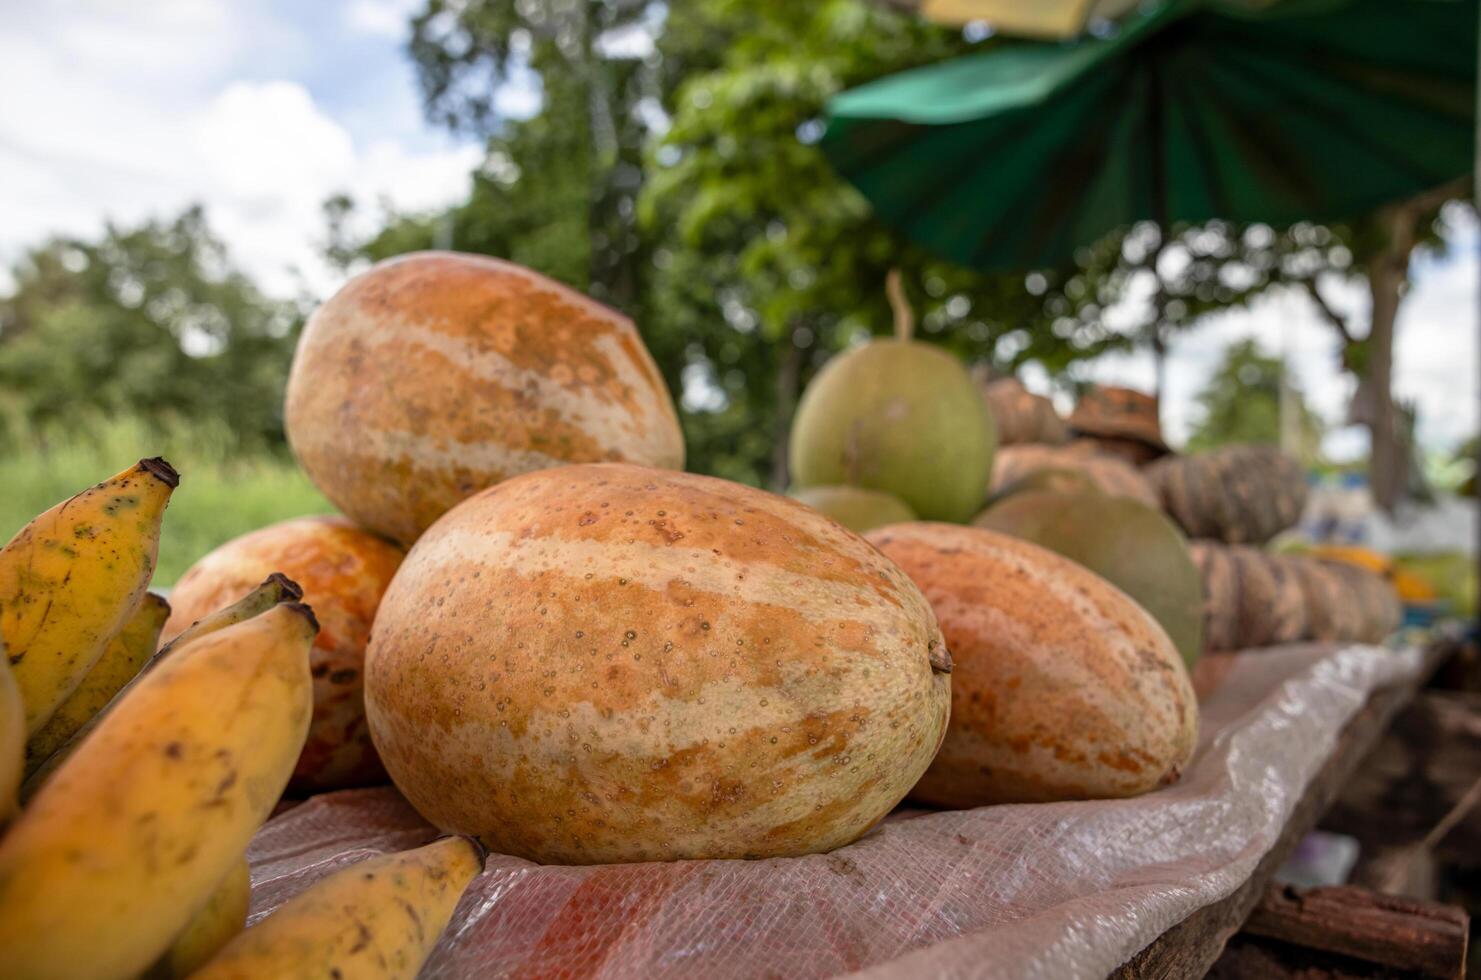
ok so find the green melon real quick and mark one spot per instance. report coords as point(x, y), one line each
point(854, 507)
point(1122, 540)
point(897, 416)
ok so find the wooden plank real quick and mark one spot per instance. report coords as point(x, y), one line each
point(1418, 938)
point(1190, 948)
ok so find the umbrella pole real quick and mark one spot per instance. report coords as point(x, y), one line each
point(1476, 476)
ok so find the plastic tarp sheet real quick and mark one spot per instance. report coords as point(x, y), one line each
point(1044, 891)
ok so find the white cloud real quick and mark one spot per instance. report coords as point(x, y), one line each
point(271, 157)
point(381, 18)
point(126, 112)
point(266, 143)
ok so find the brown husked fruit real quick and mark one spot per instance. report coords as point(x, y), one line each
point(1063, 688)
point(1255, 598)
point(1251, 598)
point(1107, 473)
point(1373, 595)
point(1021, 415)
point(343, 571)
point(1348, 604)
point(434, 375)
point(603, 663)
point(1237, 494)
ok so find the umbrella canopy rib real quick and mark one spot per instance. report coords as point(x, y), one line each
point(1193, 110)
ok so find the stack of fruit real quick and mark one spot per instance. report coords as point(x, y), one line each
point(1231, 502)
point(555, 643)
point(1234, 501)
point(586, 656)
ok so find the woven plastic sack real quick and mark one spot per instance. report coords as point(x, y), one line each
point(1046, 890)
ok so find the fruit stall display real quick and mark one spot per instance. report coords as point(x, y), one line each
point(560, 648)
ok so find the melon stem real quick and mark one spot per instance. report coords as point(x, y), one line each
point(904, 315)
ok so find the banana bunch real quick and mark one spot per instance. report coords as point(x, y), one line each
point(123, 657)
point(150, 770)
point(72, 578)
point(70, 582)
point(133, 832)
point(275, 589)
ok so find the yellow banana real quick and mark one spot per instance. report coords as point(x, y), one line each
point(12, 739)
point(124, 657)
point(220, 919)
point(376, 919)
point(277, 588)
point(128, 838)
point(71, 578)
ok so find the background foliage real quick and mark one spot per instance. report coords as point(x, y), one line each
point(152, 322)
point(224, 490)
point(671, 171)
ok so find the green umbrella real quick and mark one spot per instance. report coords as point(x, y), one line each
point(1193, 110)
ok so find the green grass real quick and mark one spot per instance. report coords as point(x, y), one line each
point(223, 491)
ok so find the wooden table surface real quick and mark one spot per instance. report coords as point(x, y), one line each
point(1190, 948)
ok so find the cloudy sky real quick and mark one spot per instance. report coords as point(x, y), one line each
point(260, 109)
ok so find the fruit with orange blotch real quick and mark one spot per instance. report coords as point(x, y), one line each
point(604, 663)
point(343, 571)
point(1063, 688)
point(436, 374)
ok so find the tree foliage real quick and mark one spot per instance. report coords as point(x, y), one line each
point(1244, 402)
point(679, 179)
point(672, 171)
point(149, 321)
point(682, 184)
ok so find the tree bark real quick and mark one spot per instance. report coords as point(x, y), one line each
point(1388, 271)
point(1388, 459)
point(788, 373)
point(1387, 462)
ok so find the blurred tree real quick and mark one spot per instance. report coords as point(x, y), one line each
point(1464, 459)
point(557, 190)
point(1219, 265)
point(671, 171)
point(1242, 403)
point(150, 321)
point(768, 261)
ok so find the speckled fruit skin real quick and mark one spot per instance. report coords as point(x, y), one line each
point(605, 663)
point(1132, 546)
point(343, 571)
point(897, 416)
point(435, 374)
point(1064, 688)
